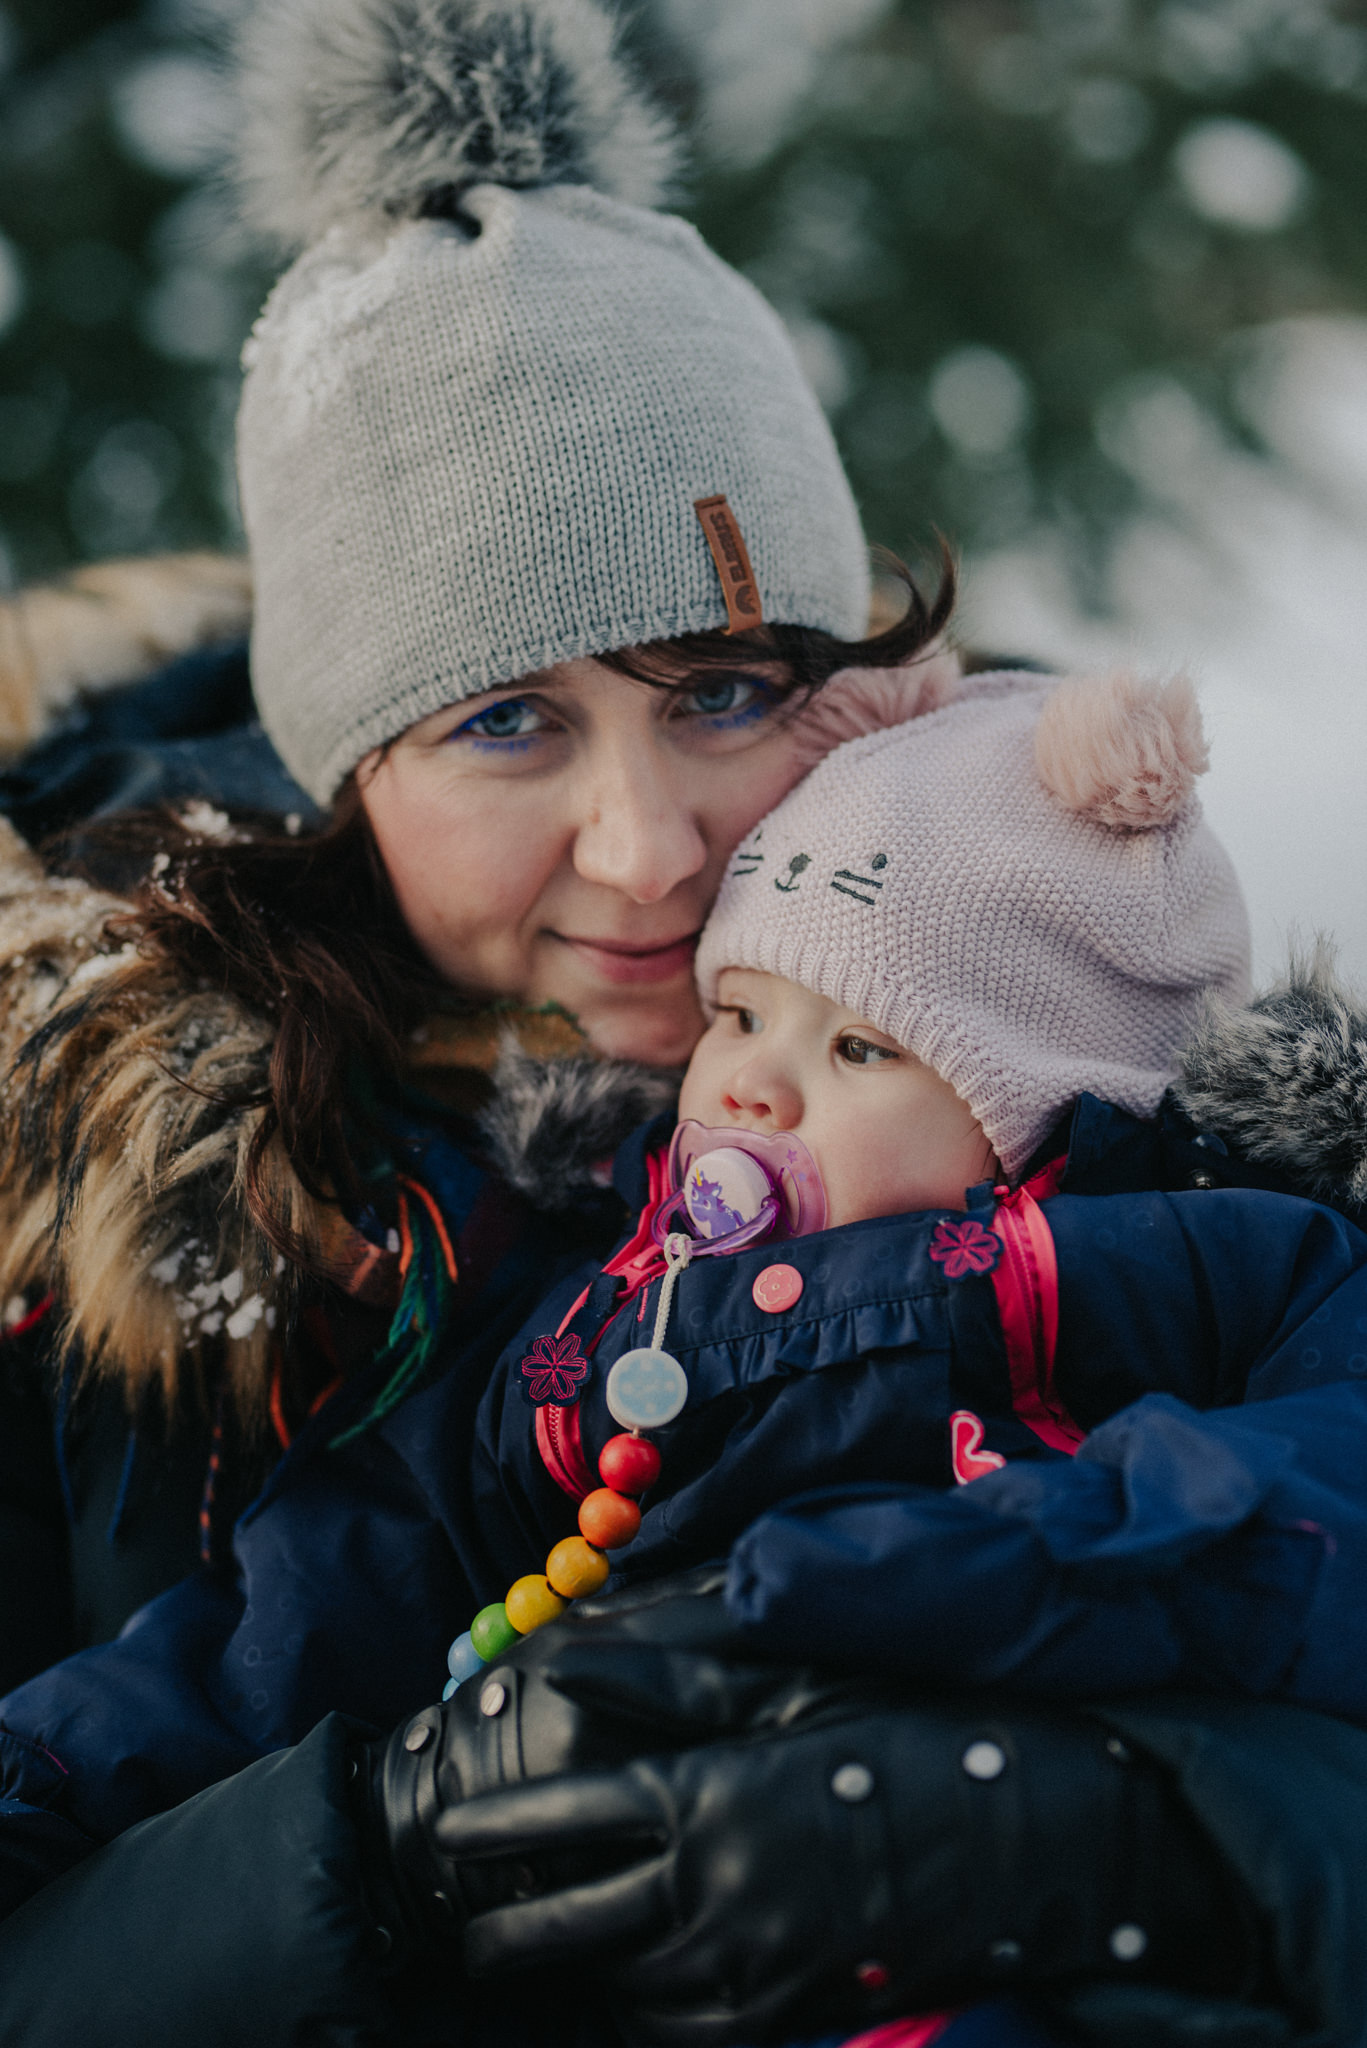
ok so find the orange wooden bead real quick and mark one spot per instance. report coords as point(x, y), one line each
point(531, 1603)
point(575, 1568)
point(608, 1519)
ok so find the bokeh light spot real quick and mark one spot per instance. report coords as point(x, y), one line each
point(1241, 176)
point(979, 401)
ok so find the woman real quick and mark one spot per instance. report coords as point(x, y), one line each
point(550, 543)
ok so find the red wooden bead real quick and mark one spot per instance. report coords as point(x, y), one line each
point(629, 1464)
point(608, 1519)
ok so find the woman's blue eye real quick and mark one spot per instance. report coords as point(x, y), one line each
point(727, 700)
point(508, 726)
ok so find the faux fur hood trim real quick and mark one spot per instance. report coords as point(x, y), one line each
point(122, 1168)
point(1284, 1081)
point(109, 624)
point(553, 1125)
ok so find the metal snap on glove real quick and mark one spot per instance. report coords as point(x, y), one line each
point(836, 1873)
point(654, 1669)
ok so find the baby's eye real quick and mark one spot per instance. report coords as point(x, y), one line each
point(516, 718)
point(857, 1052)
point(746, 1020)
point(735, 699)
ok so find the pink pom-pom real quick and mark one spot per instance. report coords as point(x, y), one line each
point(861, 700)
point(1121, 749)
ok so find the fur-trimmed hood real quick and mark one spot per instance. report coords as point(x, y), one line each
point(1283, 1081)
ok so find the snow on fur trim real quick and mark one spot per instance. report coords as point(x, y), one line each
point(359, 112)
point(860, 700)
point(1123, 750)
point(553, 1124)
point(1285, 1081)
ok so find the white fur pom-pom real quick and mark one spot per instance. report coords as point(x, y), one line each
point(365, 111)
point(1122, 750)
point(860, 700)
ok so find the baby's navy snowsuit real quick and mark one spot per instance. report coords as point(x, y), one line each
point(1211, 1532)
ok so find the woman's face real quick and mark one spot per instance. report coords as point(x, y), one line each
point(562, 840)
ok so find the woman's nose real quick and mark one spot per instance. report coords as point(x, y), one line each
point(762, 1092)
point(638, 835)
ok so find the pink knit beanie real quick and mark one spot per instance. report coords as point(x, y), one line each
point(1019, 887)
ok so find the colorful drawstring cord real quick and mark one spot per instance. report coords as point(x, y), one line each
point(427, 1267)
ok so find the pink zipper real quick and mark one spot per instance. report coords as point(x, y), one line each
point(561, 1446)
point(911, 2033)
point(1025, 1281)
point(559, 1436)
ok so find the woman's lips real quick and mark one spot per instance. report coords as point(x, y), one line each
point(622, 963)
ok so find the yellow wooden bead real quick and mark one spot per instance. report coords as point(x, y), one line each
point(530, 1603)
point(575, 1568)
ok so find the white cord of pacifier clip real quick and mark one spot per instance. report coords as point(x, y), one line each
point(678, 1250)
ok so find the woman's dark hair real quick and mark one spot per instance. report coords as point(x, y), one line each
point(810, 656)
point(305, 929)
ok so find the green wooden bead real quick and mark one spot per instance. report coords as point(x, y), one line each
point(491, 1632)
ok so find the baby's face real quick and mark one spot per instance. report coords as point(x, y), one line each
point(887, 1133)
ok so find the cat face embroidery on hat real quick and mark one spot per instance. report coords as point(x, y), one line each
point(748, 858)
point(863, 887)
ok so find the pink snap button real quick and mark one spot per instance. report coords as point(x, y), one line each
point(777, 1288)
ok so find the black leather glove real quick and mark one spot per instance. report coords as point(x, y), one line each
point(835, 1873)
point(655, 1669)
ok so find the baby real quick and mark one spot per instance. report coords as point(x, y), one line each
point(926, 1213)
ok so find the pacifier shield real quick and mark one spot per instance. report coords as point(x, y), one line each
point(724, 1190)
point(789, 1173)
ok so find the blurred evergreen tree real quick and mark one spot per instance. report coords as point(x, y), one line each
point(1018, 241)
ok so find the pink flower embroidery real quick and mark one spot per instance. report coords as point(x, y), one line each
point(553, 1369)
point(964, 1248)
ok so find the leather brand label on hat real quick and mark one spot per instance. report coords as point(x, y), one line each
point(727, 542)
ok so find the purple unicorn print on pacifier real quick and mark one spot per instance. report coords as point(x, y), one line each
point(736, 1187)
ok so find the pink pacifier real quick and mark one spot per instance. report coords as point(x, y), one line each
point(736, 1187)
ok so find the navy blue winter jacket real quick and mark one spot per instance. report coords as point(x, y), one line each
point(361, 1560)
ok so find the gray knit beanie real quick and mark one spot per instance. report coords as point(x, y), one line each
point(495, 418)
point(1019, 888)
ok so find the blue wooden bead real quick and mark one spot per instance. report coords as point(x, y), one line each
point(463, 1659)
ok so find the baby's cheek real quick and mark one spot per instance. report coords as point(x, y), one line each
point(700, 1096)
point(864, 1167)
point(887, 1164)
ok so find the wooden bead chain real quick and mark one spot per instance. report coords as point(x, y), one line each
point(645, 1389)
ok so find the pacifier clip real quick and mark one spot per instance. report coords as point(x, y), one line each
point(646, 1389)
